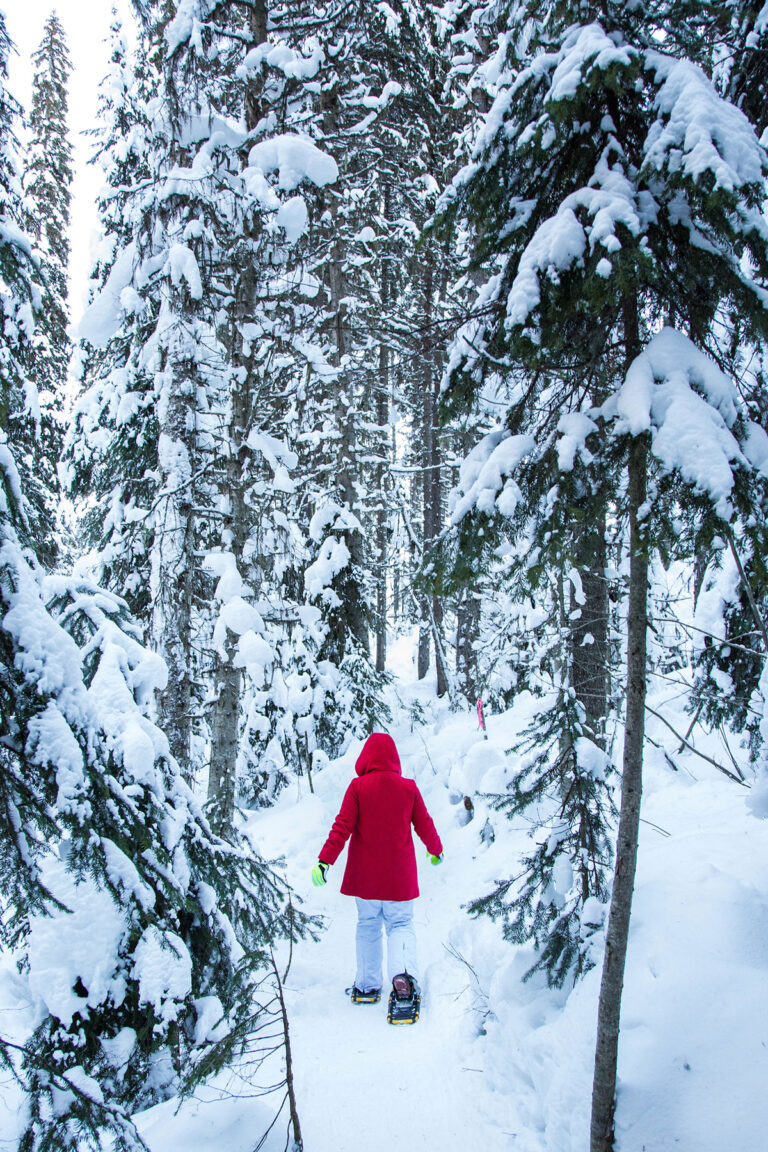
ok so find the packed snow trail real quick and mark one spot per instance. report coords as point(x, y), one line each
point(501, 1064)
point(358, 1078)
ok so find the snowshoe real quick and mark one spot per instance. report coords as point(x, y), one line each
point(404, 1000)
point(357, 997)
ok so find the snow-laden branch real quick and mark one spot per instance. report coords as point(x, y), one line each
point(690, 431)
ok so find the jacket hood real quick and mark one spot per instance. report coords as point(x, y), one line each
point(379, 754)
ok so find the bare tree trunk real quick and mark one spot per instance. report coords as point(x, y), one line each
point(427, 432)
point(225, 707)
point(441, 666)
point(431, 605)
point(422, 656)
point(257, 18)
point(351, 617)
point(609, 1008)
point(225, 728)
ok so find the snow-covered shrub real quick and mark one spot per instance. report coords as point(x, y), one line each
point(136, 927)
point(563, 788)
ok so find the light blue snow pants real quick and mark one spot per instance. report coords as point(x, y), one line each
point(397, 917)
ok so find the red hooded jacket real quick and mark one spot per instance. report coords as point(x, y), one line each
point(376, 814)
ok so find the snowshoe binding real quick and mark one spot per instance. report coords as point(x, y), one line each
point(358, 997)
point(404, 1000)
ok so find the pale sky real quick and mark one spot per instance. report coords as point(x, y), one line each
point(86, 25)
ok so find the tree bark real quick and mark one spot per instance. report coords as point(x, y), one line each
point(171, 578)
point(290, 1083)
point(225, 707)
point(609, 1008)
point(427, 415)
point(382, 417)
point(437, 635)
point(467, 632)
point(351, 618)
point(381, 520)
point(589, 632)
point(430, 604)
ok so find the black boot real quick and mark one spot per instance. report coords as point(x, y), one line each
point(372, 996)
point(404, 1000)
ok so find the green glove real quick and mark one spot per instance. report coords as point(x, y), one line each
point(435, 859)
point(318, 874)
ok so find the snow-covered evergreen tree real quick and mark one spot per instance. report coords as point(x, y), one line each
point(137, 930)
point(373, 103)
point(611, 190)
point(47, 187)
point(361, 85)
point(112, 447)
point(20, 416)
point(730, 583)
point(225, 212)
point(560, 903)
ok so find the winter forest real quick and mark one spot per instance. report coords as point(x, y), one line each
point(421, 390)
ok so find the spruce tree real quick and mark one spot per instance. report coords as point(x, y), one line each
point(137, 424)
point(111, 450)
point(603, 211)
point(20, 301)
point(47, 187)
point(100, 836)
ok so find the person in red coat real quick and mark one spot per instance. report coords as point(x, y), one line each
point(379, 808)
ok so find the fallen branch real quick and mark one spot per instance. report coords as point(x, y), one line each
point(731, 756)
point(687, 744)
point(662, 749)
point(656, 827)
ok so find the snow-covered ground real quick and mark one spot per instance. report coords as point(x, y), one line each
point(495, 1063)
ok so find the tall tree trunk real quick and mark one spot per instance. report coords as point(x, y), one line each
point(437, 494)
point(225, 727)
point(427, 435)
point(467, 632)
point(431, 605)
point(589, 632)
point(351, 617)
point(382, 419)
point(435, 522)
point(441, 665)
point(225, 707)
point(172, 571)
point(227, 678)
point(381, 520)
point(468, 615)
point(617, 934)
